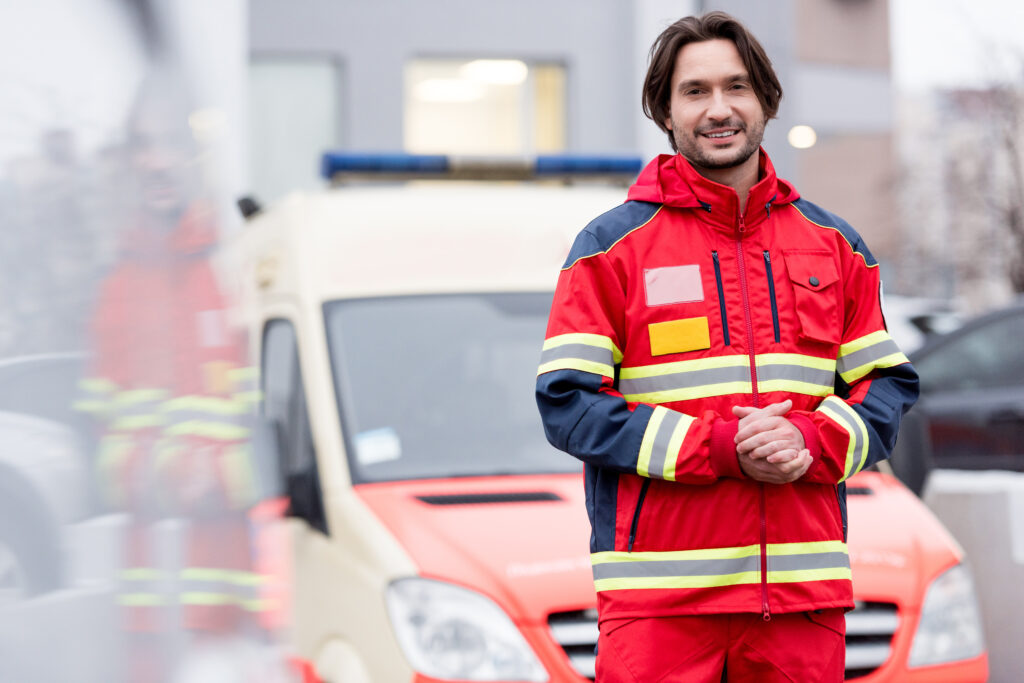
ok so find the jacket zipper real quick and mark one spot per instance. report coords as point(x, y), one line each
point(762, 503)
point(771, 292)
point(721, 296)
point(636, 514)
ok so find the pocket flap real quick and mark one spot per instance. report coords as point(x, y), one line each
point(812, 270)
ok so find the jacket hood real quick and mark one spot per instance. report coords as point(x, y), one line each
point(671, 180)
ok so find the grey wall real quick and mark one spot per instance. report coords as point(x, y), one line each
point(373, 40)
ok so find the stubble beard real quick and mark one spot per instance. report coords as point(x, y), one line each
point(688, 145)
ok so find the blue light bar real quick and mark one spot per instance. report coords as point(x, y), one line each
point(439, 166)
point(383, 163)
point(562, 164)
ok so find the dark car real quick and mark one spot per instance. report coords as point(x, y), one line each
point(972, 399)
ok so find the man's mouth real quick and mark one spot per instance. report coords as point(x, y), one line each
point(721, 134)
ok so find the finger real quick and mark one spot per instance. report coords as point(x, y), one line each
point(795, 468)
point(782, 456)
point(754, 426)
point(780, 408)
point(743, 411)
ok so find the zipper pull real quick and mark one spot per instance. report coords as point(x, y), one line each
point(766, 615)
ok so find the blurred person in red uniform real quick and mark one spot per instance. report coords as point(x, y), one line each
point(170, 384)
point(717, 358)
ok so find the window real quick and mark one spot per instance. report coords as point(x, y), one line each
point(441, 386)
point(293, 119)
point(484, 106)
point(987, 356)
point(284, 404)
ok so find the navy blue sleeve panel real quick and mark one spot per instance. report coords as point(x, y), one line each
point(827, 219)
point(594, 426)
point(890, 394)
point(602, 233)
point(602, 491)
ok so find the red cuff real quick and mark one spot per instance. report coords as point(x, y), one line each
point(722, 452)
point(812, 441)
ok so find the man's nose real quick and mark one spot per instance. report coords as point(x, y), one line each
point(719, 108)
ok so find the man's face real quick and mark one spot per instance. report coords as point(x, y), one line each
point(714, 115)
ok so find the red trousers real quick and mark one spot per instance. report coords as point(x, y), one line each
point(803, 647)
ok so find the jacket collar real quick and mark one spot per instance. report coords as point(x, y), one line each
point(671, 180)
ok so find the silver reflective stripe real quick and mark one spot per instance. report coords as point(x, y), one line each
point(719, 567)
point(796, 373)
point(684, 380)
point(581, 351)
point(866, 356)
point(858, 442)
point(659, 452)
point(785, 563)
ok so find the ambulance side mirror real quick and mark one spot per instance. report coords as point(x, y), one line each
point(267, 458)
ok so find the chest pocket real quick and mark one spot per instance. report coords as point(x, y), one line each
point(817, 296)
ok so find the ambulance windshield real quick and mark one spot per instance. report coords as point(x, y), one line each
point(441, 386)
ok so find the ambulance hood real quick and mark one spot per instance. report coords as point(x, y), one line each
point(520, 540)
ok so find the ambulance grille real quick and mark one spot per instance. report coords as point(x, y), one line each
point(870, 628)
point(488, 498)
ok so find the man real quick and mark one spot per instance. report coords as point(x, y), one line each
point(169, 387)
point(716, 356)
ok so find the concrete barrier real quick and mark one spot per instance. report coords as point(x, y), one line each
point(985, 512)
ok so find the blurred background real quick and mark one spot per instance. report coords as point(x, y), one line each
point(903, 116)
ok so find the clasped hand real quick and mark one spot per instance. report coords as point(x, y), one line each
point(770, 448)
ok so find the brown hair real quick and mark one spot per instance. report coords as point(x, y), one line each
point(711, 26)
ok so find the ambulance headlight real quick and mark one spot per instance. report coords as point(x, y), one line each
point(950, 627)
point(449, 632)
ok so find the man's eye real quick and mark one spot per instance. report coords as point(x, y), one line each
point(692, 91)
point(739, 86)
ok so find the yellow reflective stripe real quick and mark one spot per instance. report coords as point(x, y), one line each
point(141, 600)
point(806, 548)
point(209, 430)
point(860, 356)
point(246, 374)
point(724, 375)
point(207, 598)
point(674, 445)
point(128, 423)
point(234, 576)
point(94, 406)
point(248, 397)
point(863, 342)
point(609, 556)
point(141, 574)
point(682, 366)
point(796, 373)
point(587, 339)
point(643, 461)
point(602, 369)
point(712, 567)
point(857, 448)
point(97, 385)
point(135, 396)
point(207, 404)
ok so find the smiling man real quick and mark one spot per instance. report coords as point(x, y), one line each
point(716, 356)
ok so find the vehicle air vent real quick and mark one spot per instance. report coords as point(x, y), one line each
point(870, 629)
point(576, 632)
point(859, 491)
point(486, 498)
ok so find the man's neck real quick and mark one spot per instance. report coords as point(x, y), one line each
point(740, 178)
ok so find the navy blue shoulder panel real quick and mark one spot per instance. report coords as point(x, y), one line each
point(827, 219)
point(610, 227)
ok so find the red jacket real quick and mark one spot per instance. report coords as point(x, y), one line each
point(167, 378)
point(670, 310)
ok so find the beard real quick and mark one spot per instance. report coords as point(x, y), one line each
point(688, 144)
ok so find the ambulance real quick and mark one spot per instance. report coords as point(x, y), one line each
point(435, 535)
